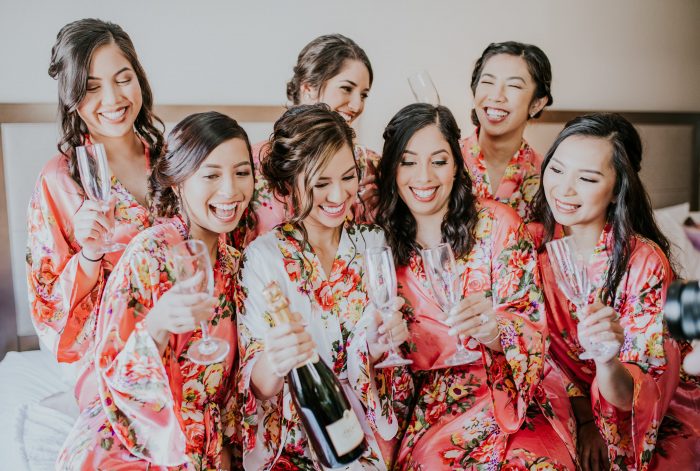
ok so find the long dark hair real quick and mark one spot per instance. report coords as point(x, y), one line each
point(71, 55)
point(537, 64)
point(303, 142)
point(321, 60)
point(631, 213)
point(393, 215)
point(189, 144)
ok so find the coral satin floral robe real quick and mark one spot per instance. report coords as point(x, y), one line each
point(156, 411)
point(520, 180)
point(270, 211)
point(493, 412)
point(637, 440)
point(333, 307)
point(65, 323)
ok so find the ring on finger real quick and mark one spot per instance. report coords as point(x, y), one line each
point(484, 318)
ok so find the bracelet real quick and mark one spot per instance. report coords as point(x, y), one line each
point(91, 260)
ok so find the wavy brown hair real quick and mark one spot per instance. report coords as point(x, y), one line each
point(303, 142)
point(537, 64)
point(631, 213)
point(393, 215)
point(71, 56)
point(321, 60)
point(189, 144)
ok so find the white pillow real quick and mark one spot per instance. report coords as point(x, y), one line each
point(670, 221)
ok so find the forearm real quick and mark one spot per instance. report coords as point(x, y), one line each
point(89, 274)
point(615, 384)
point(264, 383)
point(582, 409)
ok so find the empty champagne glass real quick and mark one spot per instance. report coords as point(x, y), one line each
point(423, 88)
point(571, 274)
point(441, 269)
point(191, 258)
point(97, 184)
point(382, 291)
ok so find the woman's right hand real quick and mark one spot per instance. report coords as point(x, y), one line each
point(287, 346)
point(179, 310)
point(90, 225)
point(591, 448)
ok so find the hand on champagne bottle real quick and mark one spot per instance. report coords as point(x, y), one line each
point(288, 345)
point(383, 328)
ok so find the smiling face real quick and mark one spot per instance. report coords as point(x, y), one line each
point(113, 97)
point(333, 191)
point(503, 98)
point(345, 93)
point(216, 195)
point(579, 182)
point(426, 173)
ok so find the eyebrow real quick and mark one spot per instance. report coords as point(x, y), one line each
point(514, 77)
point(441, 151)
point(344, 173)
point(123, 69)
point(239, 164)
point(581, 169)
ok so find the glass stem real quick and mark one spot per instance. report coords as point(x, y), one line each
point(391, 336)
point(205, 331)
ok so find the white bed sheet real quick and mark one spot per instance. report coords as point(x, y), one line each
point(31, 432)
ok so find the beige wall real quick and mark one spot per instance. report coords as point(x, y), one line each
point(606, 54)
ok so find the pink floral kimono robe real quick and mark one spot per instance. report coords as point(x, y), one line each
point(638, 440)
point(156, 411)
point(520, 180)
point(270, 211)
point(65, 323)
point(332, 305)
point(493, 413)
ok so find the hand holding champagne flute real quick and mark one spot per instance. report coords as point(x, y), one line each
point(441, 270)
point(192, 262)
point(97, 184)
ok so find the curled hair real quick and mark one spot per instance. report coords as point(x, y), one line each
point(537, 64)
point(631, 213)
point(321, 60)
point(189, 144)
point(71, 56)
point(393, 215)
point(303, 142)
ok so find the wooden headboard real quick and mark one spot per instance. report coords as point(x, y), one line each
point(671, 171)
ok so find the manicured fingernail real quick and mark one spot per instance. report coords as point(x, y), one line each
point(452, 331)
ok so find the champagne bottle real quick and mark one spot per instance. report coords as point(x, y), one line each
point(331, 425)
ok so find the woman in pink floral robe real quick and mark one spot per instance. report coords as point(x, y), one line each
point(334, 70)
point(66, 272)
point(591, 190)
point(511, 84)
point(156, 408)
point(492, 412)
point(318, 261)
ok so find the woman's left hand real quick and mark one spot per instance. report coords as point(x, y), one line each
point(474, 317)
point(385, 328)
point(601, 324)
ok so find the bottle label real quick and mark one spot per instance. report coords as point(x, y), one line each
point(346, 433)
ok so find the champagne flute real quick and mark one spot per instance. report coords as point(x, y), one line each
point(441, 268)
point(423, 88)
point(571, 274)
point(382, 291)
point(191, 258)
point(97, 183)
